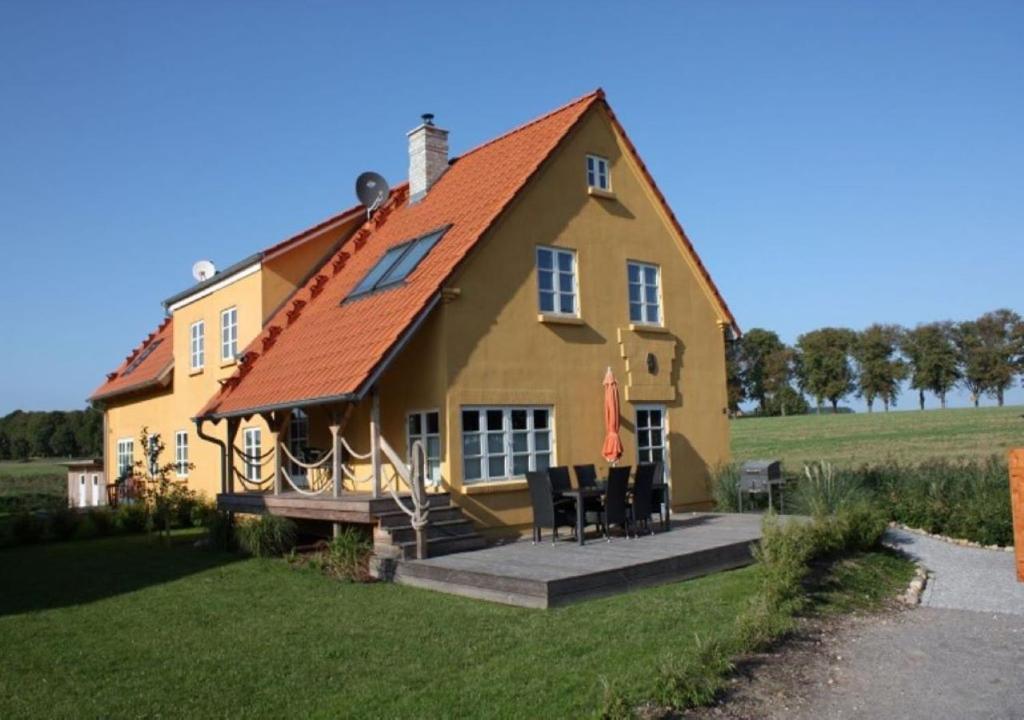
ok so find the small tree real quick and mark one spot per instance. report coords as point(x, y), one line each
point(161, 492)
point(759, 370)
point(734, 376)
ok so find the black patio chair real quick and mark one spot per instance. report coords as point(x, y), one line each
point(659, 498)
point(640, 507)
point(547, 511)
point(559, 476)
point(616, 508)
point(586, 479)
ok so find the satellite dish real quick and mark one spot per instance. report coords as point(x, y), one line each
point(372, 190)
point(203, 270)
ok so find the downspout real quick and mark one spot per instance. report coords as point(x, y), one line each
point(223, 452)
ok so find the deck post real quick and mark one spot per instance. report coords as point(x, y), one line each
point(336, 459)
point(375, 440)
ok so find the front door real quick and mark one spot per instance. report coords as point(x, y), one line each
point(81, 491)
point(96, 490)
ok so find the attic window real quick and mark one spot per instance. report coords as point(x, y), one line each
point(397, 264)
point(133, 366)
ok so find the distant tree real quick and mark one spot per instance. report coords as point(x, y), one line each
point(824, 364)
point(755, 367)
point(62, 441)
point(933, 358)
point(973, 359)
point(880, 370)
point(89, 432)
point(734, 376)
point(21, 449)
point(1002, 337)
point(5, 446)
point(788, 401)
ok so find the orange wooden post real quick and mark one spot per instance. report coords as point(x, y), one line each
point(1017, 502)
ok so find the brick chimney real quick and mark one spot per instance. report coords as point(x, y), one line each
point(428, 157)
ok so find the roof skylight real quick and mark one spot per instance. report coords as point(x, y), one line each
point(396, 264)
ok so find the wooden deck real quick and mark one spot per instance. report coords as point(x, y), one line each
point(351, 507)
point(544, 575)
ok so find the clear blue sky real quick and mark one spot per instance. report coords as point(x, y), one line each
point(834, 163)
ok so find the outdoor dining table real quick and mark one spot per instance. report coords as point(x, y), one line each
point(580, 495)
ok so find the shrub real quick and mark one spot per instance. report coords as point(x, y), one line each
point(220, 526)
point(725, 483)
point(131, 517)
point(266, 536)
point(184, 505)
point(823, 491)
point(695, 679)
point(347, 555)
point(102, 520)
point(63, 523)
point(86, 529)
point(27, 528)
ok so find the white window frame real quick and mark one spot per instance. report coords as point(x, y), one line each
point(507, 451)
point(197, 345)
point(433, 470)
point(252, 438)
point(125, 456)
point(181, 453)
point(556, 272)
point(643, 286)
point(96, 490)
point(645, 451)
point(599, 174)
point(229, 334)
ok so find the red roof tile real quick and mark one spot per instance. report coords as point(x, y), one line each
point(318, 347)
point(145, 366)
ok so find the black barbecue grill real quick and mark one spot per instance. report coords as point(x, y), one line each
point(761, 477)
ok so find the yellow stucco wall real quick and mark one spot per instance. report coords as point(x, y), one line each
point(488, 348)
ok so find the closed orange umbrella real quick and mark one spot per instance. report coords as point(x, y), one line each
point(612, 449)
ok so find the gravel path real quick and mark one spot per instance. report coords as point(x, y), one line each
point(958, 656)
point(964, 578)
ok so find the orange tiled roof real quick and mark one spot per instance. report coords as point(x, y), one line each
point(319, 348)
point(145, 366)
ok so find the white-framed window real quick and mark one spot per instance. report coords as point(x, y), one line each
point(556, 281)
point(197, 344)
point(298, 443)
point(425, 426)
point(181, 453)
point(125, 456)
point(229, 334)
point(644, 293)
point(651, 429)
point(95, 489)
point(597, 173)
point(499, 443)
point(252, 438)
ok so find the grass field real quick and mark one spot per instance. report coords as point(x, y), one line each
point(128, 627)
point(853, 439)
point(32, 468)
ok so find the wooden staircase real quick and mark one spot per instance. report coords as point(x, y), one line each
point(448, 531)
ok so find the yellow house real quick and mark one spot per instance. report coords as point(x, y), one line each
point(476, 309)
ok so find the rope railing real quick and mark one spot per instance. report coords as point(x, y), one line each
point(419, 513)
point(308, 466)
point(249, 482)
point(261, 459)
point(353, 453)
point(312, 491)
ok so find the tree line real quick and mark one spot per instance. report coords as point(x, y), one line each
point(984, 356)
point(76, 433)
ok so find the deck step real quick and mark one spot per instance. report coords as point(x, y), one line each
point(448, 531)
point(400, 519)
point(441, 529)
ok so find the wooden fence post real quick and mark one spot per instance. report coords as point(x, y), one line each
point(1017, 503)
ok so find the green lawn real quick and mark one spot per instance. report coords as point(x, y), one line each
point(128, 627)
point(853, 439)
point(32, 468)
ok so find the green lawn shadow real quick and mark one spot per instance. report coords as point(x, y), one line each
point(41, 577)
